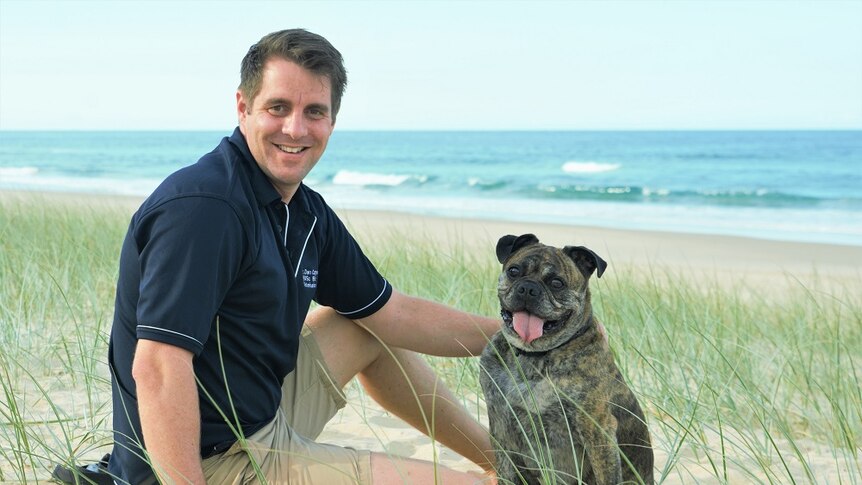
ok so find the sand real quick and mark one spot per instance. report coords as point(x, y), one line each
point(730, 260)
point(734, 255)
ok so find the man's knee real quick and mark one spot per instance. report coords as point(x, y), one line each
point(321, 317)
point(347, 347)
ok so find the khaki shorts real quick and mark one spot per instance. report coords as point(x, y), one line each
point(284, 451)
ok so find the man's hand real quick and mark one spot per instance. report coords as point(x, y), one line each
point(168, 406)
point(602, 332)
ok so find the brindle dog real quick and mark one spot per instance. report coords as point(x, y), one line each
point(558, 407)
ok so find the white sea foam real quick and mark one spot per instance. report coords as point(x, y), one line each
point(647, 192)
point(18, 171)
point(121, 186)
point(589, 167)
point(347, 177)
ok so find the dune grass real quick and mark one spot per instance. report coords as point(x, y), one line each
point(57, 274)
point(739, 384)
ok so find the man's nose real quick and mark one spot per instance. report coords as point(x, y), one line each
point(295, 125)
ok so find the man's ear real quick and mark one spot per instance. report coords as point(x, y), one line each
point(586, 260)
point(241, 107)
point(509, 244)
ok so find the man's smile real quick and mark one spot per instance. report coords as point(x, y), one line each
point(289, 149)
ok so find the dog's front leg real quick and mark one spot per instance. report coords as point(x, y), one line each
point(511, 470)
point(598, 430)
point(509, 448)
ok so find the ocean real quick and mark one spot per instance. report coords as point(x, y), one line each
point(782, 185)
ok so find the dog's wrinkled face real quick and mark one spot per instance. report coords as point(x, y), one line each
point(543, 291)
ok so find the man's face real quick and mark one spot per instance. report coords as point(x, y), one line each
point(288, 124)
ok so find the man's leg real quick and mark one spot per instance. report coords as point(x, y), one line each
point(388, 469)
point(394, 378)
point(397, 380)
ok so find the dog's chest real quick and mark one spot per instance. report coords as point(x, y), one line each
point(540, 385)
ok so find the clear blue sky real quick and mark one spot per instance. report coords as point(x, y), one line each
point(444, 65)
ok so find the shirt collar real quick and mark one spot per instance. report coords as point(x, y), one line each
point(264, 191)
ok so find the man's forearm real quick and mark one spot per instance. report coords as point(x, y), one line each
point(170, 419)
point(172, 439)
point(470, 333)
point(431, 328)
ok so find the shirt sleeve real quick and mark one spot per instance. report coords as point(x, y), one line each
point(348, 280)
point(191, 249)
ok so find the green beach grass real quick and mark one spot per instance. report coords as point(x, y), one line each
point(739, 384)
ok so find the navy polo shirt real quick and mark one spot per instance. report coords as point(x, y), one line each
point(206, 266)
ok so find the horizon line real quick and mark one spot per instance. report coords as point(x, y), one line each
point(440, 130)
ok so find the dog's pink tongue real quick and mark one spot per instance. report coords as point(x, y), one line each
point(529, 327)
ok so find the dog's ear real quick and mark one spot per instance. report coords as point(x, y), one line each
point(586, 260)
point(509, 244)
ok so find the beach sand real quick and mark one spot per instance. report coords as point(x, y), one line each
point(731, 260)
point(736, 257)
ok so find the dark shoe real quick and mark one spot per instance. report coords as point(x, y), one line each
point(94, 473)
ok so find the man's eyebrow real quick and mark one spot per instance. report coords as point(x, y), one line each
point(274, 101)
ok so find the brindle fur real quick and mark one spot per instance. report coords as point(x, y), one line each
point(559, 409)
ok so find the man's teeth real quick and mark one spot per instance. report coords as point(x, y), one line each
point(288, 149)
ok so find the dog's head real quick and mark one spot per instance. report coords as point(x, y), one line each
point(543, 290)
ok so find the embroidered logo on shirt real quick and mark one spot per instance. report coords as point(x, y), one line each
point(309, 278)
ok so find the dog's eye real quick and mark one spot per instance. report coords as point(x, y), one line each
point(557, 284)
point(514, 271)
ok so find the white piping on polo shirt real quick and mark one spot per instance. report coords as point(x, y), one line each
point(299, 261)
point(385, 283)
point(173, 332)
point(286, 223)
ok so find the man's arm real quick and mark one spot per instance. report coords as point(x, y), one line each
point(168, 407)
point(430, 328)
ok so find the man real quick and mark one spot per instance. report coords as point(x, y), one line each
point(220, 373)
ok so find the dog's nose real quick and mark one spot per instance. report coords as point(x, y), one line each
point(528, 288)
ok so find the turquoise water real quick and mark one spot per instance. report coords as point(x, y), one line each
point(804, 186)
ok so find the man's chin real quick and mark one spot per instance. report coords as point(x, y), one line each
point(286, 181)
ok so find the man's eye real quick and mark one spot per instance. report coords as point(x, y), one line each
point(316, 114)
point(277, 110)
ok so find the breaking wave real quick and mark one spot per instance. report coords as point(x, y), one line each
point(18, 171)
point(366, 179)
point(589, 167)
